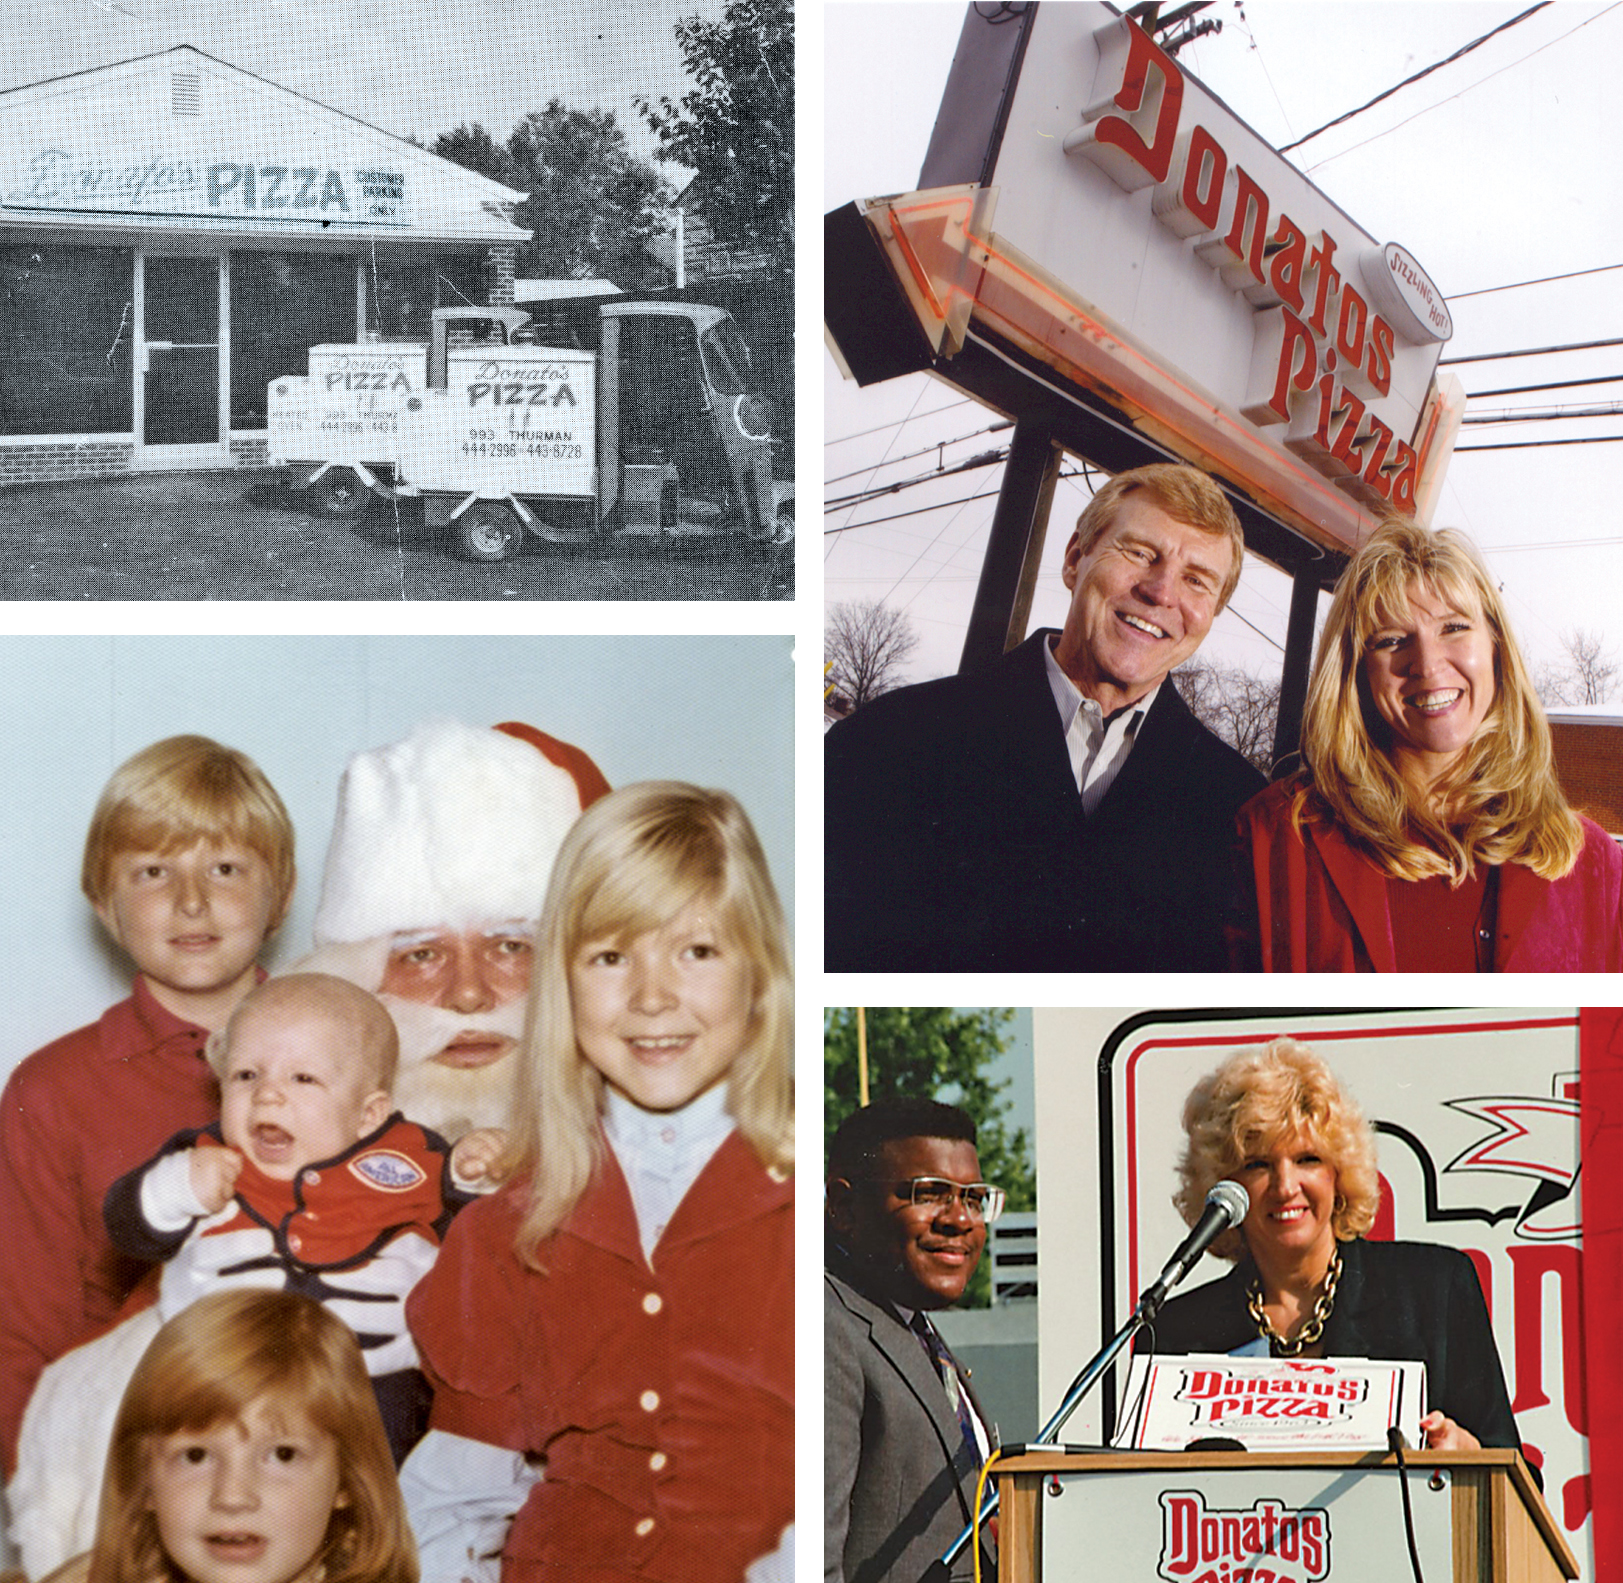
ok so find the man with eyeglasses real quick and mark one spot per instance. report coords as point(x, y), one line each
point(906, 1214)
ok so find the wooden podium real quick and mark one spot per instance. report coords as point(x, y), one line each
point(1200, 1517)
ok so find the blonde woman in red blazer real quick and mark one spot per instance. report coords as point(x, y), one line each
point(1428, 832)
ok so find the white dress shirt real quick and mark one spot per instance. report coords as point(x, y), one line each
point(1098, 746)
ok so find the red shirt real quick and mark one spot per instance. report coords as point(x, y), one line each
point(74, 1118)
point(662, 1399)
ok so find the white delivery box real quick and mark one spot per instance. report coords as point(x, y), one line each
point(513, 420)
point(355, 398)
point(287, 419)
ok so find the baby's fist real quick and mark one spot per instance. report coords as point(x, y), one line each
point(214, 1172)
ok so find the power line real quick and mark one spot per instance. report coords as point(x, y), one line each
point(896, 423)
point(1424, 72)
point(1528, 351)
point(1527, 445)
point(1609, 409)
point(985, 494)
point(1469, 88)
point(1543, 280)
point(862, 496)
point(991, 428)
point(1528, 390)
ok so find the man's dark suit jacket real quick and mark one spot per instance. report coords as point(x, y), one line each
point(956, 841)
point(1401, 1301)
point(898, 1478)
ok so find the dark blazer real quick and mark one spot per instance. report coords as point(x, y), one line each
point(898, 1479)
point(1313, 903)
point(956, 841)
point(1396, 1300)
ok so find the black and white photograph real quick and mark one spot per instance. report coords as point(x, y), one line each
point(397, 300)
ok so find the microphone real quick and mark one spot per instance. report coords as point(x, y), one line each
point(1226, 1206)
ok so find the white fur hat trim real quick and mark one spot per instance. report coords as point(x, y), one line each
point(455, 827)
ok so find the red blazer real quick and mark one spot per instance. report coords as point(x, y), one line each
point(1314, 904)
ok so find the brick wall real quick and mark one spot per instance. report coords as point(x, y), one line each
point(250, 450)
point(1589, 764)
point(40, 461)
point(500, 263)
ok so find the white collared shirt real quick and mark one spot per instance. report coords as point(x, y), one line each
point(1097, 747)
point(663, 1152)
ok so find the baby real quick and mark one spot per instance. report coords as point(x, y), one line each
point(308, 1182)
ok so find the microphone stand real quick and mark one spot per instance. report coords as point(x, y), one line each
point(1149, 1305)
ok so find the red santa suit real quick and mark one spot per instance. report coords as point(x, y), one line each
point(659, 1394)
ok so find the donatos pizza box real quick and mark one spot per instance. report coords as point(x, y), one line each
point(1270, 1404)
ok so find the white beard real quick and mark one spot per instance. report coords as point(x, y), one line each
point(451, 1100)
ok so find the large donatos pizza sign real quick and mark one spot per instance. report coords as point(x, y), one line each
point(223, 184)
point(1133, 233)
point(1322, 350)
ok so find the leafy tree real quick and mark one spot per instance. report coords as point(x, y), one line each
point(866, 643)
point(592, 204)
point(736, 125)
point(941, 1053)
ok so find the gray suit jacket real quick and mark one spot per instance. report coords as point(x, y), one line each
point(898, 1480)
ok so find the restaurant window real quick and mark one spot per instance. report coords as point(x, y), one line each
point(399, 300)
point(65, 324)
point(282, 304)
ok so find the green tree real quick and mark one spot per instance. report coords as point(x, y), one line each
point(736, 125)
point(592, 205)
point(941, 1053)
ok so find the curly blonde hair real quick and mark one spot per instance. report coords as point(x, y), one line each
point(1258, 1099)
point(1501, 802)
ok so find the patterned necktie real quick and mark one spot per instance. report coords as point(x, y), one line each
point(946, 1366)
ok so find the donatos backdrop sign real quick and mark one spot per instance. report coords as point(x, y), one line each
point(1476, 1115)
point(1088, 201)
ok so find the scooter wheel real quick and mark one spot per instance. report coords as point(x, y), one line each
point(488, 533)
point(339, 493)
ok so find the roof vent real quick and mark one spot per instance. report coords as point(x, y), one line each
point(186, 89)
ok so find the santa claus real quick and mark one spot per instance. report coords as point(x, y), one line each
point(439, 860)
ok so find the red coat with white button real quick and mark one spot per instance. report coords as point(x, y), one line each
point(661, 1400)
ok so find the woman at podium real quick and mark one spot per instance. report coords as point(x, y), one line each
point(1306, 1282)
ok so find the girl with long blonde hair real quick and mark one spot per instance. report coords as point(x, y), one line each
point(611, 1336)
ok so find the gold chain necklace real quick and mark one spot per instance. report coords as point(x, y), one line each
point(1290, 1347)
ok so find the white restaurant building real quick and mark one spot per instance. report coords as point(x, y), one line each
point(176, 232)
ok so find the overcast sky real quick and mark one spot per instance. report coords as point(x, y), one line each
point(412, 67)
point(1494, 170)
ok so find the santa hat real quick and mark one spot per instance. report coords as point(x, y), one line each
point(454, 827)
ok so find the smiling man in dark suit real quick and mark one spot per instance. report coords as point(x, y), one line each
point(1062, 810)
point(903, 1437)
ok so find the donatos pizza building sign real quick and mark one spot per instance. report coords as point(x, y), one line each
point(1092, 207)
point(1322, 350)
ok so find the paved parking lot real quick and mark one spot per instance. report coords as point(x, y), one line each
point(245, 535)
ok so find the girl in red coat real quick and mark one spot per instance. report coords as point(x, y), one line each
point(611, 1336)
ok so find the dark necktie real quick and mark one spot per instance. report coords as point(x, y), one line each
point(946, 1366)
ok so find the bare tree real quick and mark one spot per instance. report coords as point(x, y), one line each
point(1588, 677)
point(866, 643)
point(1235, 705)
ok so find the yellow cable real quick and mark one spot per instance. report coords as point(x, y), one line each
point(980, 1501)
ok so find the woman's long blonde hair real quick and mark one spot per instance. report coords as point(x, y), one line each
point(208, 1366)
point(633, 861)
point(1501, 802)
